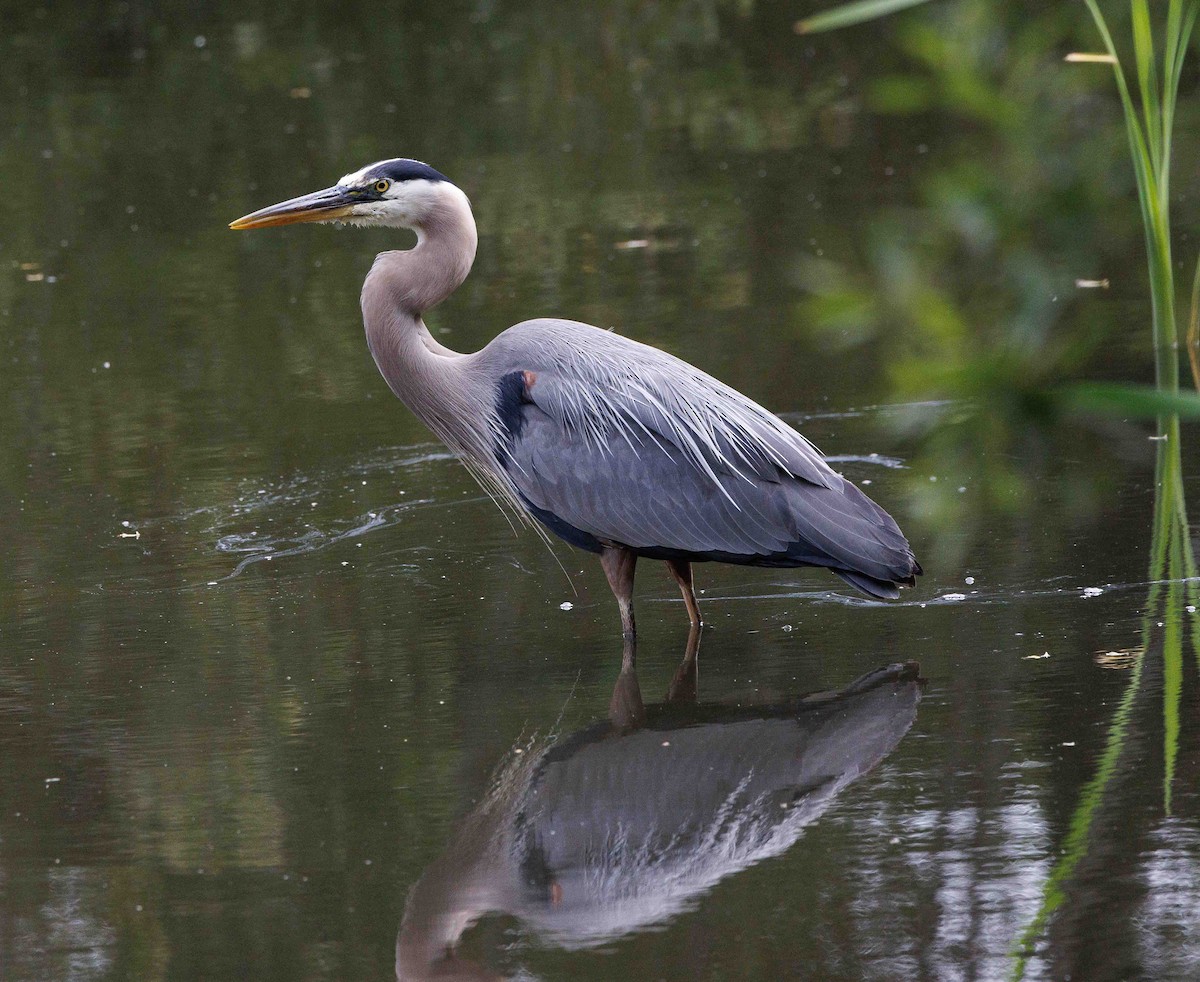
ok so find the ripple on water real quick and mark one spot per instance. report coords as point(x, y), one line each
point(305, 513)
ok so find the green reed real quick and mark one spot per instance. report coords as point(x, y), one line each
point(1149, 134)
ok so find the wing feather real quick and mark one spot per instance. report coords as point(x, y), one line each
point(630, 445)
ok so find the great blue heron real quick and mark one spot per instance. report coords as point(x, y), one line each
point(619, 448)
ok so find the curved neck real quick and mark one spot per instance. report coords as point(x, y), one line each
point(431, 379)
point(402, 285)
point(419, 278)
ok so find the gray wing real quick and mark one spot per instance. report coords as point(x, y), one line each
point(611, 441)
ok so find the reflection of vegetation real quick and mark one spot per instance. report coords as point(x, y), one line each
point(1173, 584)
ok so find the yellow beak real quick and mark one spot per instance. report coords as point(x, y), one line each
point(328, 205)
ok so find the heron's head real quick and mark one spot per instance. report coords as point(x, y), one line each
point(400, 193)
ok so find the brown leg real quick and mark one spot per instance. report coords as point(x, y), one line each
point(683, 685)
point(682, 571)
point(618, 563)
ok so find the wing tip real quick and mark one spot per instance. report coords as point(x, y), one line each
point(882, 589)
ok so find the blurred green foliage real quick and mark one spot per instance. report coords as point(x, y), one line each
point(984, 298)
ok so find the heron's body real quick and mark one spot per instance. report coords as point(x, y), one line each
point(619, 448)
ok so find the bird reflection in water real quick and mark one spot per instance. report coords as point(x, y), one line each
point(625, 824)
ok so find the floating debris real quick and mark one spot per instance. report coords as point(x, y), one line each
point(566, 605)
point(1119, 660)
point(954, 597)
point(1087, 58)
point(1092, 591)
point(301, 92)
point(1044, 654)
point(632, 244)
point(1092, 284)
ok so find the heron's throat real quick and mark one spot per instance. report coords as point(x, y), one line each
point(420, 278)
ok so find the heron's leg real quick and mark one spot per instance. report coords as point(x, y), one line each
point(619, 563)
point(683, 685)
point(682, 571)
point(626, 709)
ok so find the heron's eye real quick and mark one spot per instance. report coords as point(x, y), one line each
point(382, 186)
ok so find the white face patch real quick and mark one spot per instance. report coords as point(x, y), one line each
point(406, 204)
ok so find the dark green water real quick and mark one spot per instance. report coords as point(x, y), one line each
point(267, 656)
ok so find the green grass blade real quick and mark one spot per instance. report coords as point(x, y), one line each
point(1181, 22)
point(1174, 19)
point(852, 13)
point(1193, 333)
point(1152, 199)
point(1139, 152)
point(1143, 52)
point(1119, 399)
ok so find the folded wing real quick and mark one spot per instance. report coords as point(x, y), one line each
point(610, 441)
